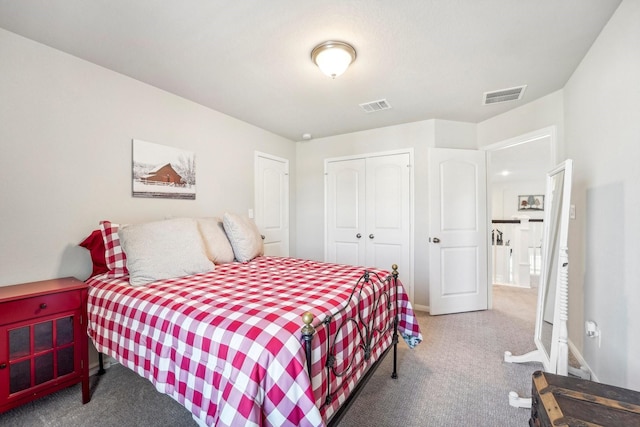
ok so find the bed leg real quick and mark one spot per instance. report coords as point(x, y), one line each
point(101, 370)
point(307, 335)
point(394, 273)
point(394, 374)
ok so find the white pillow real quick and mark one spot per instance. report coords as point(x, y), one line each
point(216, 243)
point(244, 236)
point(163, 249)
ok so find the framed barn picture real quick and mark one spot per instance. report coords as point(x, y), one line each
point(160, 171)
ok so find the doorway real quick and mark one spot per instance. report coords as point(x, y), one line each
point(516, 172)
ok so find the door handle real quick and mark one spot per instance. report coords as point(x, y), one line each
point(436, 240)
point(358, 235)
point(371, 236)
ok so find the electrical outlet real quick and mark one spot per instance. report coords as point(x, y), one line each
point(592, 331)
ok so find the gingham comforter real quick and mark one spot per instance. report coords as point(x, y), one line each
point(227, 344)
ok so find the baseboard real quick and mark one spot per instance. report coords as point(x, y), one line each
point(515, 285)
point(419, 307)
point(584, 366)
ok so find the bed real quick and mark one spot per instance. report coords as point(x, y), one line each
point(231, 344)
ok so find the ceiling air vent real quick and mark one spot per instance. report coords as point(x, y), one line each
point(372, 107)
point(504, 95)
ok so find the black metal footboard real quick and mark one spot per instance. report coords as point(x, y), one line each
point(369, 335)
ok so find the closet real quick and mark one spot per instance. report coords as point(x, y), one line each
point(368, 211)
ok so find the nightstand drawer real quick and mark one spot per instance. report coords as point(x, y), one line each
point(43, 305)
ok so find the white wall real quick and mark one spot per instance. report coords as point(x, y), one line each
point(598, 127)
point(420, 136)
point(504, 197)
point(602, 135)
point(65, 162)
point(533, 116)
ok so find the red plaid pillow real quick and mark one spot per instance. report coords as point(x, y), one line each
point(114, 256)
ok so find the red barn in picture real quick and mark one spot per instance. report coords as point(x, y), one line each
point(163, 174)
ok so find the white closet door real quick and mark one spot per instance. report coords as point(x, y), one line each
point(368, 212)
point(388, 215)
point(345, 202)
point(272, 203)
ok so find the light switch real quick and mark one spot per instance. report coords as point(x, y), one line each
point(250, 213)
point(572, 212)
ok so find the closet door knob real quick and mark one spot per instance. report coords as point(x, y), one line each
point(436, 240)
point(371, 236)
point(358, 235)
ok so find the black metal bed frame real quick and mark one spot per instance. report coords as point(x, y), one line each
point(385, 291)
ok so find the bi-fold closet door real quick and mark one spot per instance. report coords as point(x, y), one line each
point(368, 211)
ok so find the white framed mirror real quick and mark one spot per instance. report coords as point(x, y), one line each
point(550, 334)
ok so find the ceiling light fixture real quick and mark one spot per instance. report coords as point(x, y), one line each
point(333, 58)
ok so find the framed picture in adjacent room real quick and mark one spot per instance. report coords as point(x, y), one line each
point(531, 203)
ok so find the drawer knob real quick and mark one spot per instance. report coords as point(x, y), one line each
point(3, 365)
point(43, 305)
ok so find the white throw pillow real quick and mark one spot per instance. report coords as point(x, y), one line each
point(244, 236)
point(163, 249)
point(216, 243)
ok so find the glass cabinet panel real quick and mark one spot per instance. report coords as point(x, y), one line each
point(65, 361)
point(19, 342)
point(20, 376)
point(41, 353)
point(43, 336)
point(64, 333)
point(44, 368)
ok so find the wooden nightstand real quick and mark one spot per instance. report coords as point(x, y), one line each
point(43, 340)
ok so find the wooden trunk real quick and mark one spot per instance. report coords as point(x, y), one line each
point(565, 401)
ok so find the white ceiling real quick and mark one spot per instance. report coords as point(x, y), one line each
point(251, 59)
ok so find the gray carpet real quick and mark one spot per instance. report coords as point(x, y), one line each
point(456, 377)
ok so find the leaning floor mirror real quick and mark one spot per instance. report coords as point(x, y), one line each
point(550, 335)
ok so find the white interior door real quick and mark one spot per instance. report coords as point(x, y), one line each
point(458, 279)
point(388, 211)
point(345, 207)
point(272, 203)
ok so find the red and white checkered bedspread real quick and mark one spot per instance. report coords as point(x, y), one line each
point(227, 344)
